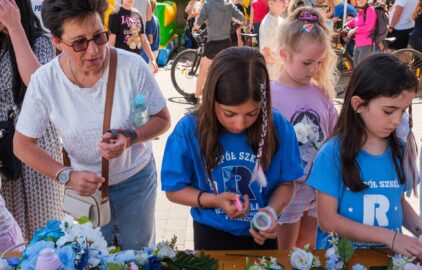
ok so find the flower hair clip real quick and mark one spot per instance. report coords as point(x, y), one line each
point(308, 16)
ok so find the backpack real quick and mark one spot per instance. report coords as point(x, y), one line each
point(380, 31)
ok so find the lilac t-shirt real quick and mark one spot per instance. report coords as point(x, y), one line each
point(311, 113)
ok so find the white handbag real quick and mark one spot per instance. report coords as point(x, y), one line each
point(96, 206)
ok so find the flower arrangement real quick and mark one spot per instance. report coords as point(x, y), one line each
point(302, 259)
point(79, 246)
point(263, 264)
point(340, 254)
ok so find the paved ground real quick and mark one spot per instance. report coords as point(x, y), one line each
point(173, 219)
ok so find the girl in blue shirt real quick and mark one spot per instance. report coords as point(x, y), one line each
point(361, 172)
point(233, 144)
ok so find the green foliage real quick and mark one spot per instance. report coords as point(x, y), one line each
point(83, 220)
point(112, 266)
point(191, 262)
point(114, 251)
point(345, 250)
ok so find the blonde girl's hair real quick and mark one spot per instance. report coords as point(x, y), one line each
point(306, 24)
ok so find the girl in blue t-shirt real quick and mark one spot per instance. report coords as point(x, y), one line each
point(361, 172)
point(232, 145)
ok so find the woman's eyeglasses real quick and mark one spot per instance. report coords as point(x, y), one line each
point(82, 44)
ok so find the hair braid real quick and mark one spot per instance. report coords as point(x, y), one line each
point(258, 173)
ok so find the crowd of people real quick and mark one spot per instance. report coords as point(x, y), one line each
point(265, 138)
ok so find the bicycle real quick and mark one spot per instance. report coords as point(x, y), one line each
point(413, 59)
point(345, 65)
point(185, 66)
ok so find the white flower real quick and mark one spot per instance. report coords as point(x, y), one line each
point(399, 261)
point(300, 259)
point(412, 266)
point(331, 251)
point(67, 223)
point(302, 132)
point(166, 251)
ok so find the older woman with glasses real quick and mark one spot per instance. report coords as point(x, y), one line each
point(70, 92)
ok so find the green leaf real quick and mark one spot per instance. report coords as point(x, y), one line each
point(114, 251)
point(345, 250)
point(318, 268)
point(113, 266)
point(191, 262)
point(83, 220)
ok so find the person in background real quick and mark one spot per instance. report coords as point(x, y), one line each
point(153, 35)
point(127, 31)
point(259, 9)
point(234, 144)
point(70, 91)
point(401, 22)
point(338, 12)
point(415, 37)
point(32, 199)
point(269, 37)
point(362, 27)
point(218, 16)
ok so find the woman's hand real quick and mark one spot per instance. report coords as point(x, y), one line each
point(113, 148)
point(84, 183)
point(351, 33)
point(226, 203)
point(10, 16)
point(270, 233)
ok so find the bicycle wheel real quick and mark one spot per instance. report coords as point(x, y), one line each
point(184, 72)
point(413, 59)
point(345, 68)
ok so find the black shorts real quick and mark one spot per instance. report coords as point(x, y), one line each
point(208, 238)
point(212, 48)
point(402, 38)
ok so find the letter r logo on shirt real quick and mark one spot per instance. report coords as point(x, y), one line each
point(375, 207)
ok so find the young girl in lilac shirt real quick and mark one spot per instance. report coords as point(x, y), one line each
point(303, 93)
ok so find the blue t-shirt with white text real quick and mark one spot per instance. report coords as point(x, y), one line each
point(379, 205)
point(182, 167)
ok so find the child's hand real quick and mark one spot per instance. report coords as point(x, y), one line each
point(226, 201)
point(261, 236)
point(407, 246)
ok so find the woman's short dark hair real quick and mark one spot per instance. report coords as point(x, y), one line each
point(55, 12)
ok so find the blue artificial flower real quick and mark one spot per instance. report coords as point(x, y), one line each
point(125, 256)
point(83, 262)
point(358, 267)
point(153, 264)
point(148, 250)
point(334, 263)
point(13, 262)
point(30, 254)
point(33, 249)
point(51, 231)
point(67, 256)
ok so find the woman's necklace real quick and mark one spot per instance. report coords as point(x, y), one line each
point(74, 76)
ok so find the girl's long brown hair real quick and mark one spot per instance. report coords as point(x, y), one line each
point(236, 75)
point(380, 75)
